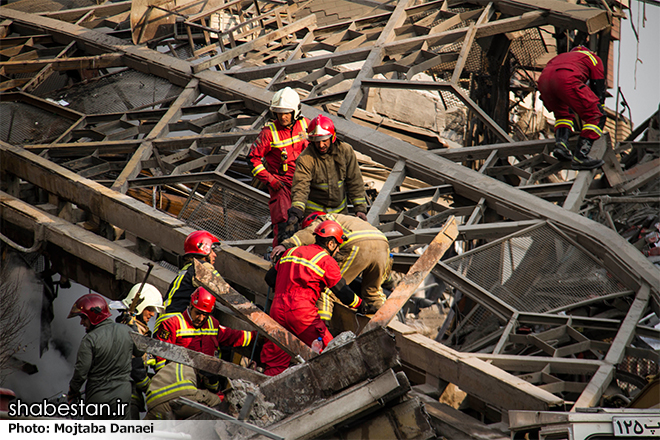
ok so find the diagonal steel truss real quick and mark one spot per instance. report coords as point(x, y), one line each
point(90, 119)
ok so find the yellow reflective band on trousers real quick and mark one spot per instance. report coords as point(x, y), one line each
point(179, 385)
point(564, 123)
point(596, 129)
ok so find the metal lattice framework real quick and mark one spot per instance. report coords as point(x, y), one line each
point(169, 121)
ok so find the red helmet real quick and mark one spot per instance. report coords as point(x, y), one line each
point(310, 218)
point(321, 128)
point(199, 243)
point(93, 306)
point(202, 300)
point(330, 228)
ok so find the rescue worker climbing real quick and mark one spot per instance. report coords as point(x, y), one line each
point(198, 245)
point(366, 251)
point(564, 92)
point(151, 304)
point(197, 330)
point(327, 176)
point(273, 155)
point(103, 360)
point(298, 279)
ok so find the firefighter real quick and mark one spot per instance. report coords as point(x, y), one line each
point(147, 308)
point(564, 92)
point(273, 155)
point(196, 329)
point(171, 382)
point(104, 359)
point(366, 251)
point(298, 279)
point(327, 176)
point(198, 245)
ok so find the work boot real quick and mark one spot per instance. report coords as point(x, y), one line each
point(581, 159)
point(561, 151)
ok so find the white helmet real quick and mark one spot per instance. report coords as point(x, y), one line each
point(150, 297)
point(285, 101)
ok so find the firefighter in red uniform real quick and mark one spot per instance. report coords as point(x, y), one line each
point(197, 330)
point(564, 92)
point(298, 279)
point(198, 245)
point(274, 153)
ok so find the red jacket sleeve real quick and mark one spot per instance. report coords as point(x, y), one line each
point(228, 337)
point(259, 149)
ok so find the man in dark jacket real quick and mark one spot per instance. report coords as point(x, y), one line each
point(104, 360)
point(327, 177)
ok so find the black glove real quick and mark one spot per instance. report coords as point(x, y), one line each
point(295, 215)
point(363, 308)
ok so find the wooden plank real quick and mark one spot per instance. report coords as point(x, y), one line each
point(560, 13)
point(61, 64)
point(306, 22)
point(422, 267)
point(250, 313)
point(195, 359)
point(382, 202)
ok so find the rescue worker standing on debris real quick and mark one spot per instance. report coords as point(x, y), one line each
point(104, 358)
point(151, 303)
point(366, 251)
point(327, 176)
point(274, 153)
point(298, 279)
point(564, 92)
point(198, 245)
point(197, 330)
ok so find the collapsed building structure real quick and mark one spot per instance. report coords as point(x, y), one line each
point(125, 127)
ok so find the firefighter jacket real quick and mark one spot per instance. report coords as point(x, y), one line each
point(180, 290)
point(584, 64)
point(104, 361)
point(302, 274)
point(179, 330)
point(275, 151)
point(171, 382)
point(326, 182)
point(355, 229)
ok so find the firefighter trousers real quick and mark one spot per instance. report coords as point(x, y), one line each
point(369, 258)
point(304, 322)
